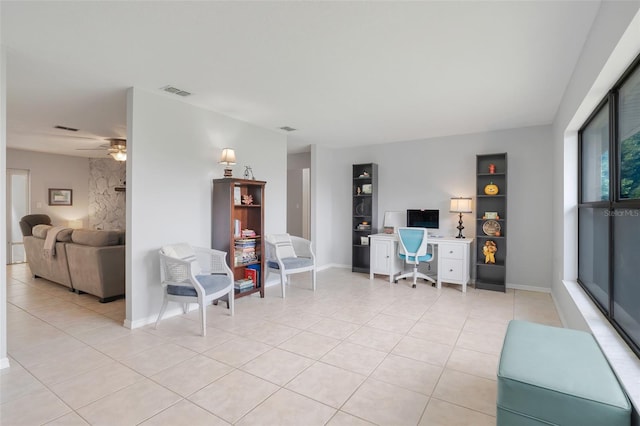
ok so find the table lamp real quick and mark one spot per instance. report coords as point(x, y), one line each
point(460, 205)
point(392, 221)
point(228, 158)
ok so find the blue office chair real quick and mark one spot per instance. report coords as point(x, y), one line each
point(413, 250)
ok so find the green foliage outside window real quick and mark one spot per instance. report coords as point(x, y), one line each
point(630, 167)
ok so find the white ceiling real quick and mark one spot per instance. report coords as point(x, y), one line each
point(342, 73)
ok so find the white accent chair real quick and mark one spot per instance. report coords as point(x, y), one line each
point(413, 250)
point(194, 275)
point(288, 254)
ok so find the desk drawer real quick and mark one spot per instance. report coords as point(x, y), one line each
point(452, 270)
point(452, 251)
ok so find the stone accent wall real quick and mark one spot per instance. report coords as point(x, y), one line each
point(106, 205)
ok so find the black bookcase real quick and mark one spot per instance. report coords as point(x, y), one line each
point(491, 169)
point(364, 214)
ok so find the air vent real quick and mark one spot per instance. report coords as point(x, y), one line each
point(287, 128)
point(70, 129)
point(175, 91)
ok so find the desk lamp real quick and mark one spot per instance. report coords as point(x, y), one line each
point(228, 158)
point(460, 205)
point(392, 221)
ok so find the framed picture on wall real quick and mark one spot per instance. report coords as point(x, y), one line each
point(60, 197)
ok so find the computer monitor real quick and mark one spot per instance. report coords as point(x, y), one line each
point(423, 218)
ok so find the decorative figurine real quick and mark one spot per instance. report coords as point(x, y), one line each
point(248, 173)
point(492, 168)
point(489, 251)
point(491, 189)
point(358, 190)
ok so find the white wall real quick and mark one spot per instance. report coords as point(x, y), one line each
point(330, 176)
point(4, 359)
point(427, 173)
point(55, 171)
point(172, 157)
point(611, 46)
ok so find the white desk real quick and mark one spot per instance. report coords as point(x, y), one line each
point(452, 258)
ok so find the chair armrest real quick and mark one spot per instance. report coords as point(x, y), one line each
point(271, 250)
point(212, 261)
point(302, 247)
point(174, 270)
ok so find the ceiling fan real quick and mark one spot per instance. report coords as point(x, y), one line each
point(117, 148)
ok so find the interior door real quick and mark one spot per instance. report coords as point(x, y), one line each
point(17, 207)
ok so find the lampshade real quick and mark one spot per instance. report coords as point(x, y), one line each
point(228, 157)
point(394, 220)
point(460, 205)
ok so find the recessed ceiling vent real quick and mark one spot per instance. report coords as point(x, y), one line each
point(175, 91)
point(69, 129)
point(287, 128)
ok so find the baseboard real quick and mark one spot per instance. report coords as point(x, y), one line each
point(169, 313)
point(563, 318)
point(332, 265)
point(4, 363)
point(529, 288)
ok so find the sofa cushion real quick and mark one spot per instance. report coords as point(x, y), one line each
point(64, 236)
point(40, 231)
point(95, 238)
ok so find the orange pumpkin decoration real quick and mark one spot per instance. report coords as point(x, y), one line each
point(491, 189)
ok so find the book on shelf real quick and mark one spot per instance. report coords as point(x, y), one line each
point(251, 274)
point(245, 242)
point(248, 233)
point(243, 284)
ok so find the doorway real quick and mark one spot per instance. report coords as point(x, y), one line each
point(298, 202)
point(17, 206)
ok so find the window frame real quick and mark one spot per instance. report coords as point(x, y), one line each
point(614, 202)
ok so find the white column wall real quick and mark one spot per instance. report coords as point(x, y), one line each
point(172, 156)
point(4, 359)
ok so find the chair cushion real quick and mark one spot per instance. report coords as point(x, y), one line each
point(291, 263)
point(211, 284)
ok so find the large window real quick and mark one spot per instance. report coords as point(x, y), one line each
point(609, 206)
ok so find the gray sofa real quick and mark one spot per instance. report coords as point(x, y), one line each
point(87, 261)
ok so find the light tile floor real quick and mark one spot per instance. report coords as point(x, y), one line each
point(355, 352)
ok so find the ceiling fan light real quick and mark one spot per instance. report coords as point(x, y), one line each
point(119, 156)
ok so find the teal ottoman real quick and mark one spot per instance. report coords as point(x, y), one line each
point(556, 376)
